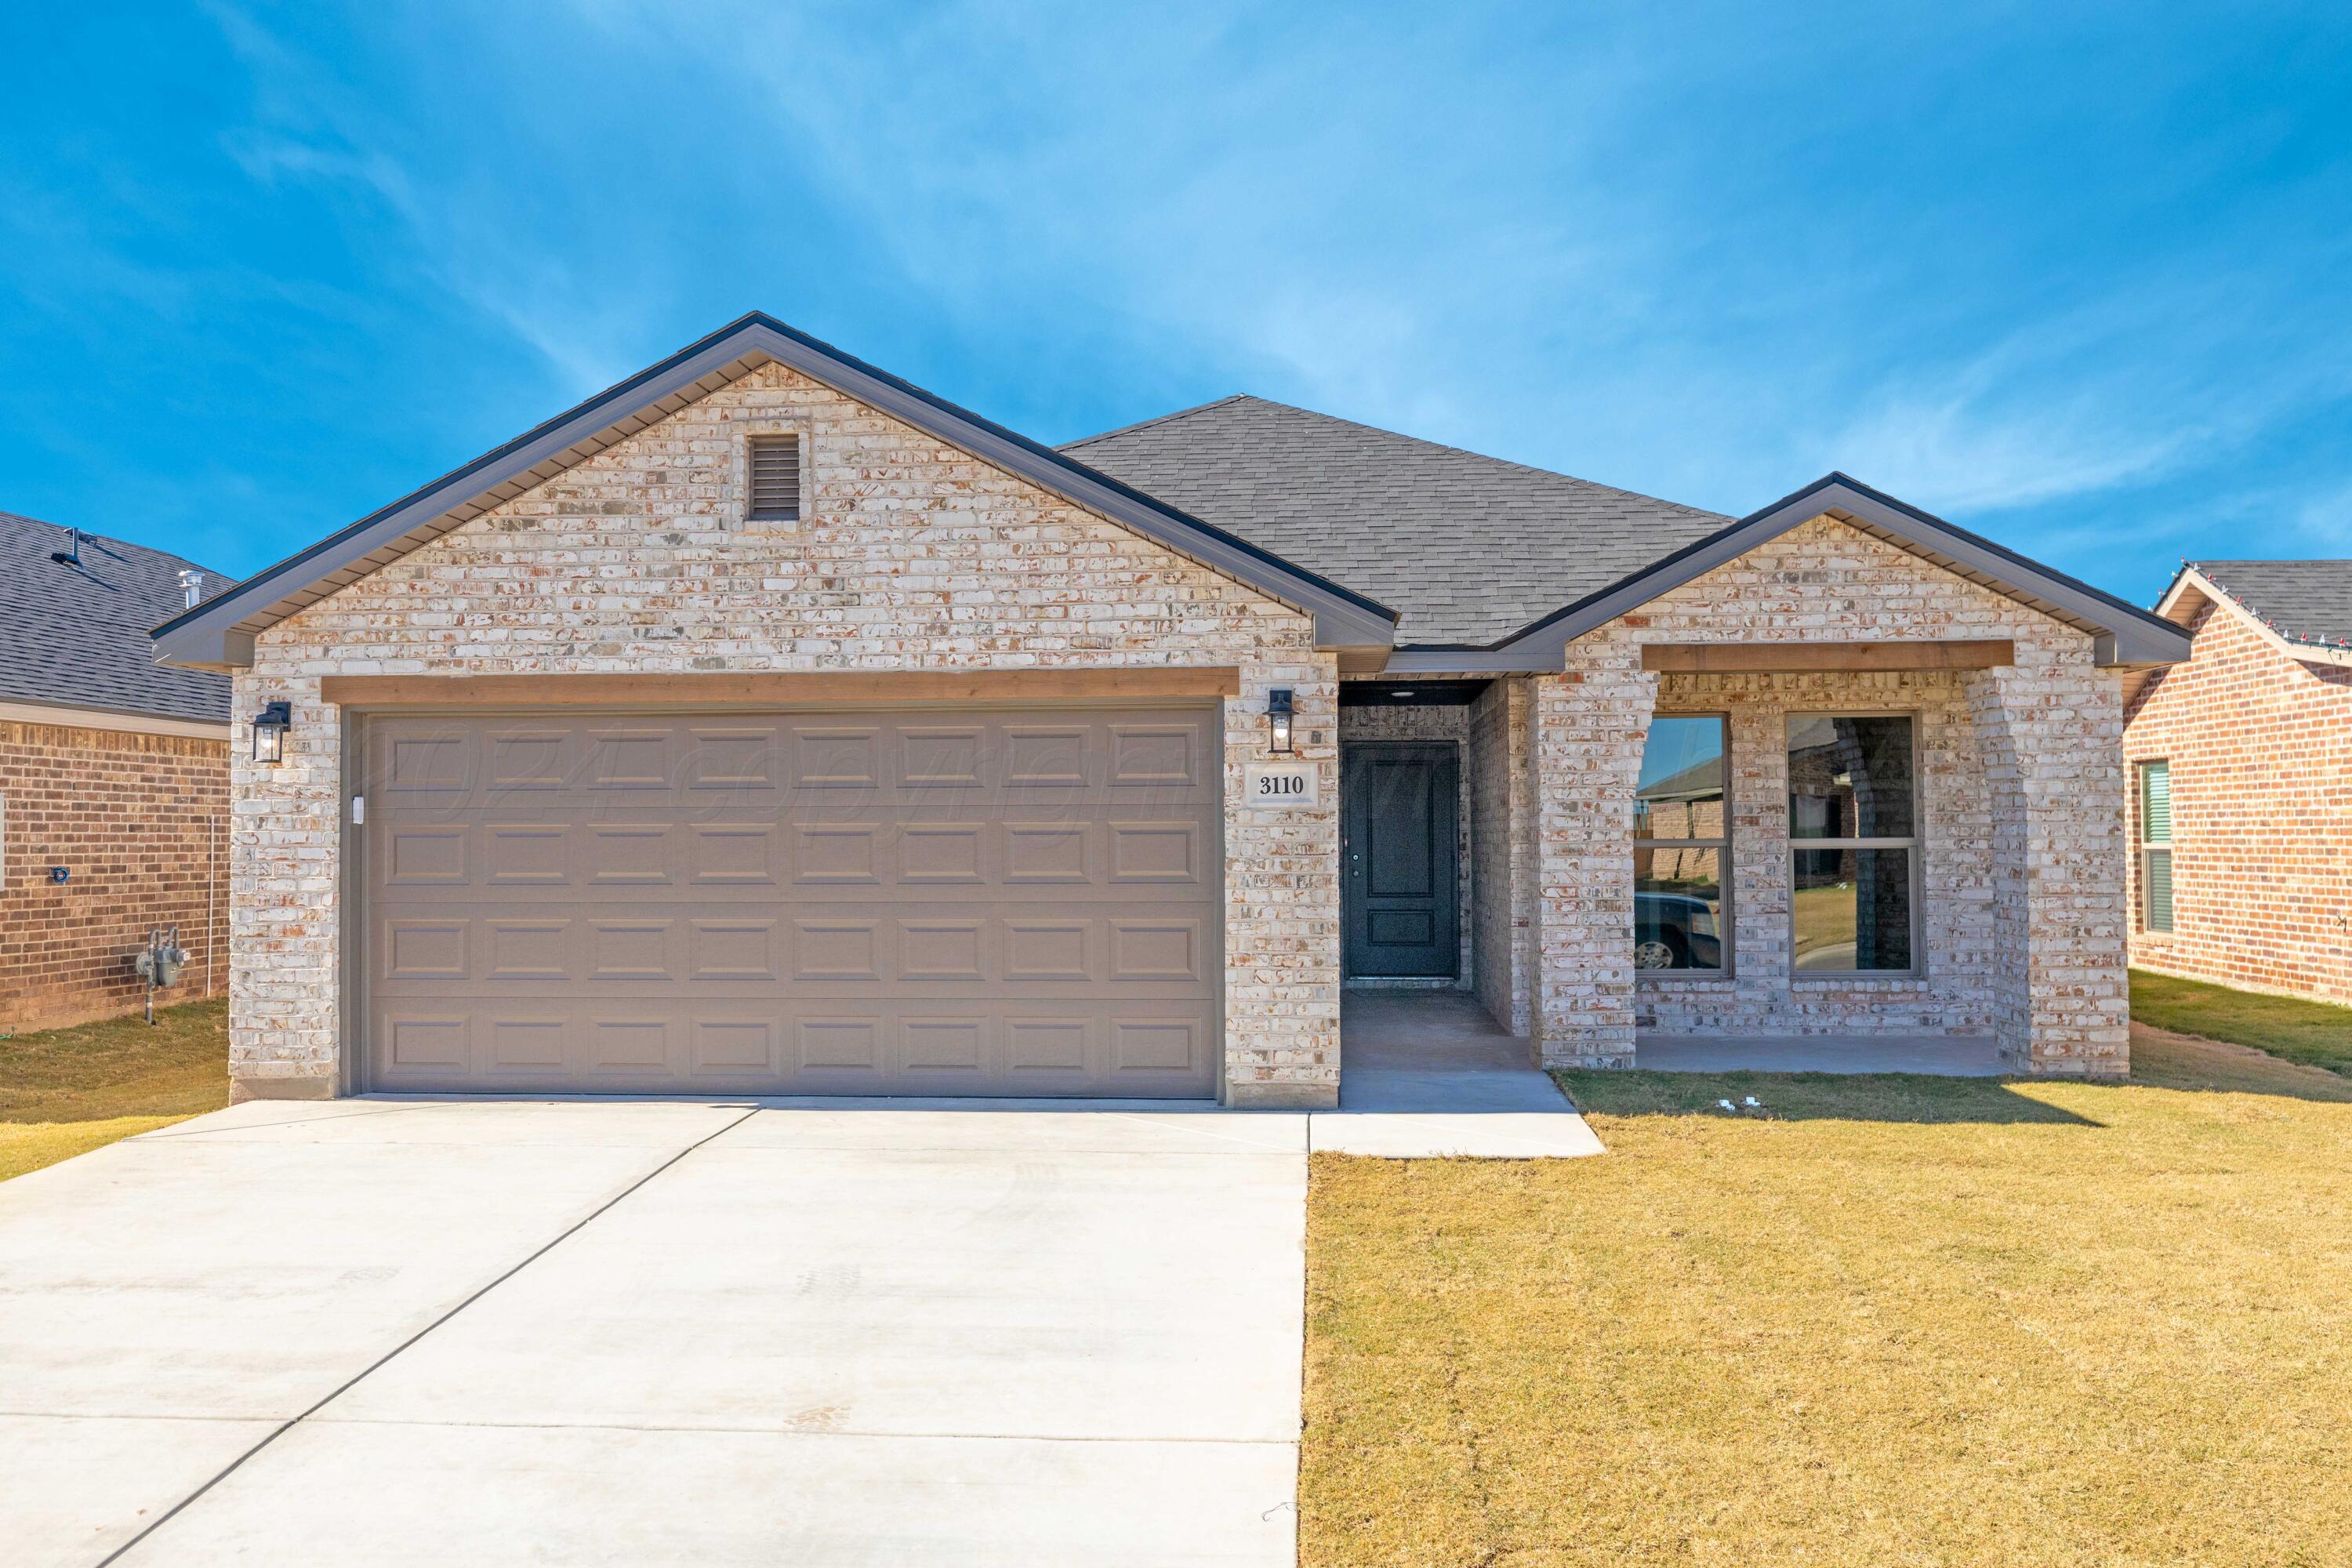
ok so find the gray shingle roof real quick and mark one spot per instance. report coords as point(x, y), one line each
point(2303, 601)
point(1467, 549)
point(77, 636)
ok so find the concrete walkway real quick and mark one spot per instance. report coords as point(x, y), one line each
point(1430, 1073)
point(561, 1333)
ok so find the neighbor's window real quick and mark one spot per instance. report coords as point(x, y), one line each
point(1681, 842)
point(2156, 845)
point(1854, 831)
point(775, 479)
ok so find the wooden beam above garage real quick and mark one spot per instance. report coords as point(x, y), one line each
point(1809, 657)
point(734, 689)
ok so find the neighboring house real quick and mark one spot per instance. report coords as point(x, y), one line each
point(2241, 764)
point(766, 723)
point(113, 779)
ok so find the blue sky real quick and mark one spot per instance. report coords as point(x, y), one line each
point(2080, 279)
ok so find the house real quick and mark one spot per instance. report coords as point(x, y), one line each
point(768, 723)
point(2240, 775)
point(113, 779)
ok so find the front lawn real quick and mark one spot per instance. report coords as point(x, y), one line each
point(1884, 1320)
point(66, 1092)
point(2317, 1033)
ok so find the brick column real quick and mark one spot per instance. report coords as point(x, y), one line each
point(2050, 738)
point(1589, 725)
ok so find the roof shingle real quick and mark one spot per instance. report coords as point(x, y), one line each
point(77, 636)
point(1466, 549)
point(2303, 601)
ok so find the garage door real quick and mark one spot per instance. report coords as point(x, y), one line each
point(938, 902)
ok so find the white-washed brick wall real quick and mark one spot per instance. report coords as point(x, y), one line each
point(914, 556)
point(2021, 813)
point(1503, 837)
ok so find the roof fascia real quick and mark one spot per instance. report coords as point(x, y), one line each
point(2123, 633)
point(218, 633)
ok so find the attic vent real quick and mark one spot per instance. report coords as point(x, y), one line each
point(775, 479)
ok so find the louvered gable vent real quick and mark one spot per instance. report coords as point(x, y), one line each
point(775, 479)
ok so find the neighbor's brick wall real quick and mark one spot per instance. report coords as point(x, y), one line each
point(1503, 849)
point(141, 822)
point(2261, 748)
point(915, 556)
point(2027, 941)
point(1448, 725)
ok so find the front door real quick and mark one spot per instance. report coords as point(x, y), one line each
point(1398, 895)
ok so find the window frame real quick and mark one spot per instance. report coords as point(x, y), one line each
point(2145, 847)
point(1915, 844)
point(1727, 925)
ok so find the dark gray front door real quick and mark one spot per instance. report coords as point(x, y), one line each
point(1398, 890)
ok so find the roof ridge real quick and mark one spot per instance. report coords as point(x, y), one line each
point(1162, 418)
point(1486, 458)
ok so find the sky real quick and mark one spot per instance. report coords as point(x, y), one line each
point(2079, 279)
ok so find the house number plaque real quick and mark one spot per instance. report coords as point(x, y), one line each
point(1281, 785)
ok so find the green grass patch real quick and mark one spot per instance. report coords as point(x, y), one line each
point(66, 1091)
point(2318, 1034)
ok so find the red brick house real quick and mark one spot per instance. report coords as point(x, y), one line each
point(2240, 775)
point(113, 779)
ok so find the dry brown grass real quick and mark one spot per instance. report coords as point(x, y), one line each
point(66, 1091)
point(1891, 1322)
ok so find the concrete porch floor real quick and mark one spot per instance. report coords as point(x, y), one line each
point(1429, 1072)
point(1939, 1056)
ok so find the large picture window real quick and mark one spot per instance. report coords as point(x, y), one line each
point(1681, 842)
point(1854, 831)
point(2155, 846)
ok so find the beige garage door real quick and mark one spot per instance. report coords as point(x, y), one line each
point(936, 902)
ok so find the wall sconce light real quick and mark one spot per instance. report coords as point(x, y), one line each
point(269, 728)
point(1277, 714)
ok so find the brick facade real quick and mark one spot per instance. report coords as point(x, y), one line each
point(911, 556)
point(2020, 794)
point(1503, 840)
point(2260, 747)
point(140, 821)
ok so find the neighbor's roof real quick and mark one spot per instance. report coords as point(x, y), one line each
point(76, 636)
point(1466, 549)
point(2303, 601)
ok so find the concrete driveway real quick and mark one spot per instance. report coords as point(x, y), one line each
point(390, 1332)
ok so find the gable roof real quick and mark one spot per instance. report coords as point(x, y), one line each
point(1469, 549)
point(1498, 565)
point(76, 636)
point(2308, 602)
point(218, 633)
point(2122, 632)
point(1514, 563)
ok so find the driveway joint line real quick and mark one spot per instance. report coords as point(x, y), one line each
point(809, 1432)
point(161, 1133)
point(356, 1378)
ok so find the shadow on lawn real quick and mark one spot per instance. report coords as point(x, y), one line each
point(2160, 1060)
point(1812, 1097)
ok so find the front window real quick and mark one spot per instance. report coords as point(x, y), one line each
point(1853, 830)
point(1682, 843)
point(2155, 846)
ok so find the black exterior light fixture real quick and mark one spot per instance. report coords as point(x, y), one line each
point(1277, 714)
point(269, 728)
